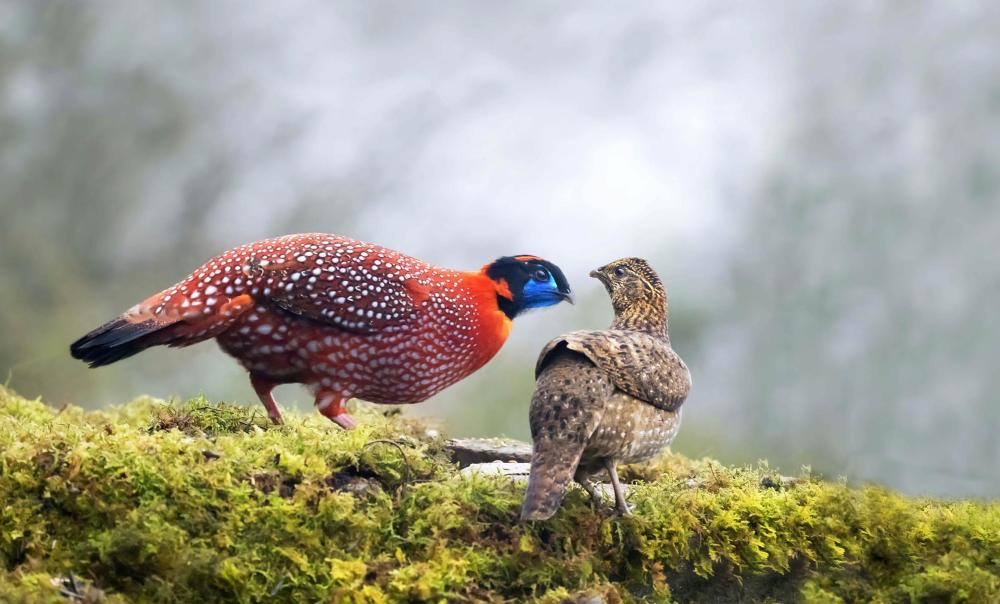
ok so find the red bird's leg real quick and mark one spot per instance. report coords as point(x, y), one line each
point(263, 387)
point(333, 406)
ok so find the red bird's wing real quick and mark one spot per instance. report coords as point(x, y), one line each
point(355, 286)
point(349, 284)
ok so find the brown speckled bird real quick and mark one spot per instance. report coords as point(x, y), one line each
point(604, 397)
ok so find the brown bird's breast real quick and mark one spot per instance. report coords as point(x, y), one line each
point(630, 431)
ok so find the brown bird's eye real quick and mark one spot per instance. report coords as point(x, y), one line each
point(619, 272)
point(541, 275)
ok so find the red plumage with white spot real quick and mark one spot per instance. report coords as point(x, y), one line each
point(346, 318)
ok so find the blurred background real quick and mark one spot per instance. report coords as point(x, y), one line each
point(817, 183)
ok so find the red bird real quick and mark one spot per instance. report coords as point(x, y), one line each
point(346, 318)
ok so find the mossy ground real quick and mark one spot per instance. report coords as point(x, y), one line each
point(208, 502)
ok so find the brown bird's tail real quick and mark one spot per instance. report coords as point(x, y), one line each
point(551, 471)
point(566, 408)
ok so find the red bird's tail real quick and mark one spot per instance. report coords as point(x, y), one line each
point(167, 318)
point(118, 339)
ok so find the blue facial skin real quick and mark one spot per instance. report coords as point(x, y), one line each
point(539, 293)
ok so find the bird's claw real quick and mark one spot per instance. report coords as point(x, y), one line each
point(596, 499)
point(622, 512)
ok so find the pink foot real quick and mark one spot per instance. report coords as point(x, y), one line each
point(345, 421)
point(334, 406)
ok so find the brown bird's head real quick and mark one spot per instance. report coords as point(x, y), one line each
point(637, 295)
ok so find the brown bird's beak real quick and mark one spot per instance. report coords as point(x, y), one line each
point(597, 274)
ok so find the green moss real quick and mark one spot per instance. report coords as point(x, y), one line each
point(207, 501)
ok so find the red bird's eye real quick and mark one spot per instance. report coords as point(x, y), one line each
point(542, 275)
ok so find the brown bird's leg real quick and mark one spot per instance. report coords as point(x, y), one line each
point(620, 504)
point(263, 387)
point(332, 405)
point(583, 479)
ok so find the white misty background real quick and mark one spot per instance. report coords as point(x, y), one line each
point(817, 185)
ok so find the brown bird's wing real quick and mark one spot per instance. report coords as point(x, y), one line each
point(350, 288)
point(640, 364)
point(569, 400)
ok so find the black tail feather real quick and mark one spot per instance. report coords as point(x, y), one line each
point(115, 341)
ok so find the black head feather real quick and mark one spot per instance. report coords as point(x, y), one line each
point(533, 283)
